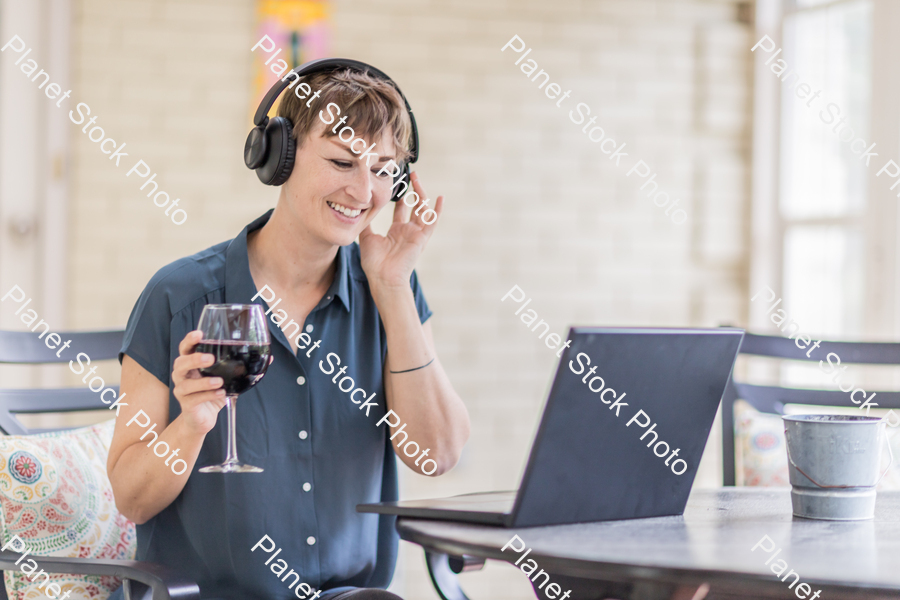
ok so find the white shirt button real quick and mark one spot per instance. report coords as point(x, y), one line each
point(309, 328)
point(306, 487)
point(301, 380)
point(303, 435)
point(310, 540)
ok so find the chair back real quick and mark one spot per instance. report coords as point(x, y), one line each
point(25, 347)
point(771, 399)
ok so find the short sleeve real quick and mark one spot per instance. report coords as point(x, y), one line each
point(421, 303)
point(148, 333)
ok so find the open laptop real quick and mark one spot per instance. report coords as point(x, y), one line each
point(585, 463)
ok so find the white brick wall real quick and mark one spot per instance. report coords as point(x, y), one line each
point(530, 201)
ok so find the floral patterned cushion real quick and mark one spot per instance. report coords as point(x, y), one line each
point(759, 447)
point(760, 451)
point(55, 495)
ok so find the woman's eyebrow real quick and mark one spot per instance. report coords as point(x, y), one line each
point(381, 159)
point(342, 146)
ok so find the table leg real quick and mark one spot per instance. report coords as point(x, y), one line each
point(589, 589)
point(648, 590)
point(135, 590)
point(442, 577)
point(594, 589)
point(443, 569)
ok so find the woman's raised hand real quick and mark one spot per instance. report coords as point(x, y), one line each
point(389, 260)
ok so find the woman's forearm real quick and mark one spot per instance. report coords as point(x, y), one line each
point(435, 416)
point(143, 484)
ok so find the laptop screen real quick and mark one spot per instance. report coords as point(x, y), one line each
point(626, 423)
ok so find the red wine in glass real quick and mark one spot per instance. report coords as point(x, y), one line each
point(238, 338)
point(239, 364)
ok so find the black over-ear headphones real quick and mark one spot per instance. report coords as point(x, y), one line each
point(270, 148)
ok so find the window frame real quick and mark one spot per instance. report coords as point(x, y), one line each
point(878, 223)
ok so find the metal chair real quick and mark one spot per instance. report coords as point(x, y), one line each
point(141, 580)
point(771, 399)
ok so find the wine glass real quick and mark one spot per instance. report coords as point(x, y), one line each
point(237, 336)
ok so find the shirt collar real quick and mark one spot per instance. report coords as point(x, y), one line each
point(239, 286)
point(340, 287)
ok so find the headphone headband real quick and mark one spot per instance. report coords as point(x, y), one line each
point(332, 64)
point(270, 147)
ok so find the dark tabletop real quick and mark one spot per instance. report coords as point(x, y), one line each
point(711, 542)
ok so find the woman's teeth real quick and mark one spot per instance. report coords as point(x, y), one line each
point(344, 210)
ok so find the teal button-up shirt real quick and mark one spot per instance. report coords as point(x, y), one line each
point(321, 455)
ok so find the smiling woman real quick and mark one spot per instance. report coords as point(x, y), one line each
point(364, 298)
point(344, 190)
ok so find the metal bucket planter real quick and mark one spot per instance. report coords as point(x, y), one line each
point(833, 465)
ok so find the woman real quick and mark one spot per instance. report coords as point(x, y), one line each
point(321, 454)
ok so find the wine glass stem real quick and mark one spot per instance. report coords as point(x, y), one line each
point(232, 457)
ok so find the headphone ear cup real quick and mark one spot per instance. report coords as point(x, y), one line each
point(255, 149)
point(404, 173)
point(287, 160)
point(279, 161)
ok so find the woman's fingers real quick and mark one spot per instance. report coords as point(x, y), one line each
point(195, 393)
point(217, 397)
point(192, 393)
point(198, 360)
point(417, 187)
point(401, 212)
point(188, 361)
point(189, 342)
point(203, 384)
point(418, 215)
point(184, 366)
point(438, 207)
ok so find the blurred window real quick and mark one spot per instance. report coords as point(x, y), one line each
point(822, 183)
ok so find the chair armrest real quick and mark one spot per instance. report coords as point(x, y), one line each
point(162, 583)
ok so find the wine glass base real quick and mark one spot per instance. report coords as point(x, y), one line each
point(234, 467)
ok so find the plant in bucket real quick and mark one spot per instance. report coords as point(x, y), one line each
point(833, 463)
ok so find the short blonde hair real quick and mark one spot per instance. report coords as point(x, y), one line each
point(370, 103)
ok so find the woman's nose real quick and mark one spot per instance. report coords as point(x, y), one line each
point(361, 186)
